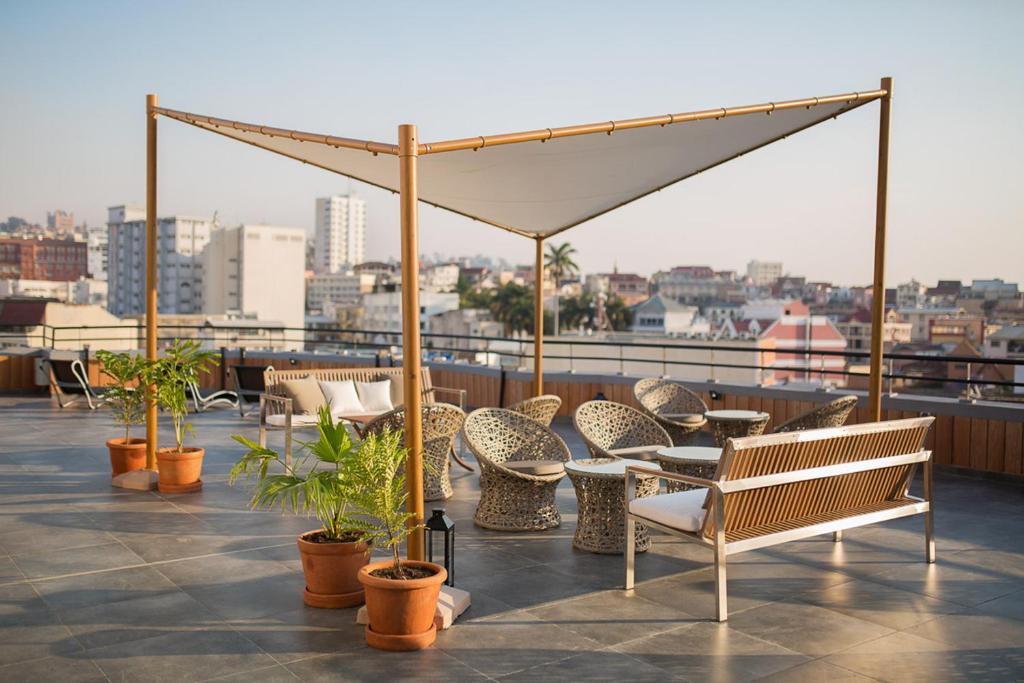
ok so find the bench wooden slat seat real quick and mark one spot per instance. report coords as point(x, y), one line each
point(783, 487)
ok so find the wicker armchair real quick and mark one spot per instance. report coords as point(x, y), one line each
point(521, 463)
point(676, 408)
point(441, 422)
point(831, 414)
point(614, 430)
point(540, 408)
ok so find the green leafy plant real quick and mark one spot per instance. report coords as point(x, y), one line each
point(171, 376)
point(326, 490)
point(124, 396)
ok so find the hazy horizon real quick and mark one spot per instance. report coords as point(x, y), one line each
point(75, 77)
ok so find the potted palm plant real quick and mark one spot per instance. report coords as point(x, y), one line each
point(401, 596)
point(180, 466)
point(128, 404)
point(333, 554)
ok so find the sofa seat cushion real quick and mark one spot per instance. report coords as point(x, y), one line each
point(306, 396)
point(311, 420)
point(683, 510)
point(536, 468)
point(645, 453)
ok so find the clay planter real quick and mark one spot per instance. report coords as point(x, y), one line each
point(126, 457)
point(179, 472)
point(401, 613)
point(331, 571)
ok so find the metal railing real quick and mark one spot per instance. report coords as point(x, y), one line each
point(467, 347)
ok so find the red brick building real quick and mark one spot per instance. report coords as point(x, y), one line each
point(46, 259)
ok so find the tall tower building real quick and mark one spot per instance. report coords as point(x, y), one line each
point(180, 243)
point(764, 273)
point(257, 271)
point(340, 232)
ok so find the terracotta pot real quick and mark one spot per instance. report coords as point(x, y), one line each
point(331, 571)
point(179, 472)
point(401, 613)
point(125, 457)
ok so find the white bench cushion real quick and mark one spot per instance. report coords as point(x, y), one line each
point(311, 420)
point(537, 468)
point(645, 453)
point(683, 510)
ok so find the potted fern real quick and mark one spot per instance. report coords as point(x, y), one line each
point(401, 596)
point(180, 466)
point(128, 405)
point(333, 554)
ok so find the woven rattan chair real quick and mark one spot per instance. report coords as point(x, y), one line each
point(521, 463)
point(614, 430)
point(441, 422)
point(832, 414)
point(540, 408)
point(676, 408)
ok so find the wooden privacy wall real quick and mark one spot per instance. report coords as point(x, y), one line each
point(957, 439)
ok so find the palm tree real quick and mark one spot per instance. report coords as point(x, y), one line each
point(511, 305)
point(559, 262)
point(618, 314)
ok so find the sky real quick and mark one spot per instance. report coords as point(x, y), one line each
point(74, 75)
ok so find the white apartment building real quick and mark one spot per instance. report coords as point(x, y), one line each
point(256, 272)
point(96, 257)
point(81, 291)
point(337, 288)
point(382, 311)
point(340, 232)
point(764, 273)
point(442, 277)
point(910, 295)
point(180, 243)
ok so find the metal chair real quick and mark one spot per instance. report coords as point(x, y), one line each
point(69, 381)
point(615, 430)
point(676, 408)
point(540, 408)
point(249, 384)
point(521, 463)
point(832, 414)
point(201, 403)
point(441, 422)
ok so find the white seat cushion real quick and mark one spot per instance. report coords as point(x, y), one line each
point(298, 420)
point(375, 396)
point(342, 397)
point(645, 453)
point(537, 468)
point(683, 510)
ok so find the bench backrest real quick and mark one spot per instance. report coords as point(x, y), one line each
point(862, 478)
point(273, 378)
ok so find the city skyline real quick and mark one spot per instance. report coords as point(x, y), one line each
point(808, 202)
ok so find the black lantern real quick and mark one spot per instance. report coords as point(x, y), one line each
point(440, 523)
point(599, 396)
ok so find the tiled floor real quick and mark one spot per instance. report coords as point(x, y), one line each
point(103, 584)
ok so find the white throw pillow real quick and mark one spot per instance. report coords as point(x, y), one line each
point(376, 396)
point(342, 397)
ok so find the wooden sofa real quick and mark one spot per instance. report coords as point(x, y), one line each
point(276, 407)
point(784, 487)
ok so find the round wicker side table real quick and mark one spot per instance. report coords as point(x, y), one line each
point(693, 461)
point(600, 496)
point(727, 424)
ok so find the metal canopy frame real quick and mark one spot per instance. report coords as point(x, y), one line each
point(409, 149)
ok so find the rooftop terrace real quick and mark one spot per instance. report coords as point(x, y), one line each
point(98, 583)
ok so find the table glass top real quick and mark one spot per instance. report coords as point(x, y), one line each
point(698, 453)
point(732, 414)
point(606, 466)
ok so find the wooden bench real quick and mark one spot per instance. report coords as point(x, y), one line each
point(276, 407)
point(784, 487)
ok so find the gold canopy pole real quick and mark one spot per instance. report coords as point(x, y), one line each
point(407, 157)
point(878, 286)
point(151, 239)
point(538, 319)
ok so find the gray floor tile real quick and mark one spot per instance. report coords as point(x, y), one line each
point(182, 656)
point(973, 630)
point(303, 632)
point(103, 587)
point(880, 604)
point(712, 651)
point(76, 560)
point(612, 667)
point(34, 635)
point(814, 672)
point(374, 666)
point(805, 628)
point(67, 669)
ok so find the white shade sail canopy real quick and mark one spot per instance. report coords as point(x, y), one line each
point(553, 179)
